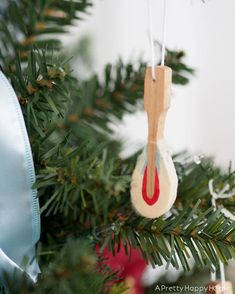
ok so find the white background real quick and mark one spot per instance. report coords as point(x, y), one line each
point(201, 118)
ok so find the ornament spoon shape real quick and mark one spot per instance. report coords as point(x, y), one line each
point(154, 182)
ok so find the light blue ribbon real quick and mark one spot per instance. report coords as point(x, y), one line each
point(19, 207)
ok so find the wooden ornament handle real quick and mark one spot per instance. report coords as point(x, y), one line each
point(156, 103)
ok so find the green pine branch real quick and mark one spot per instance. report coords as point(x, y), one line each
point(121, 90)
point(26, 23)
point(194, 182)
point(208, 236)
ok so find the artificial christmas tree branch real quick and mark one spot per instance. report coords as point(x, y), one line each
point(203, 235)
point(42, 19)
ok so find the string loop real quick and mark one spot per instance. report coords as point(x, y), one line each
point(151, 39)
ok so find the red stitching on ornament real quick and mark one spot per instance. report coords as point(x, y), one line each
point(154, 198)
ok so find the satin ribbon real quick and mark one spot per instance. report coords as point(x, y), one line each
point(19, 207)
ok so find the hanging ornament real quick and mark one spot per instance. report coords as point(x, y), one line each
point(154, 182)
point(19, 208)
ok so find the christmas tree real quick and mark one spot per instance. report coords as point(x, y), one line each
point(83, 184)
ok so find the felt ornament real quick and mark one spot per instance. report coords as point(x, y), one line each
point(154, 182)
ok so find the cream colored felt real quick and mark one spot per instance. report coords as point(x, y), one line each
point(156, 102)
point(168, 183)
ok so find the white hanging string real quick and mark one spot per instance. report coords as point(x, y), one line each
point(214, 196)
point(164, 33)
point(151, 39)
